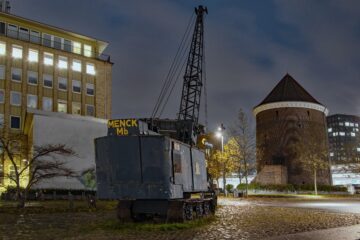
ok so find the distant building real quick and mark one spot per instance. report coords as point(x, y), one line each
point(284, 120)
point(46, 68)
point(344, 148)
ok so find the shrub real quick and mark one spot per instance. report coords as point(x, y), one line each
point(229, 187)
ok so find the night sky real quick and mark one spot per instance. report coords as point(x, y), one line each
point(250, 46)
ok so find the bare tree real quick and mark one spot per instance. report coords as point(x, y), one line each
point(244, 146)
point(41, 162)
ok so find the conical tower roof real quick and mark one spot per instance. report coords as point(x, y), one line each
point(288, 90)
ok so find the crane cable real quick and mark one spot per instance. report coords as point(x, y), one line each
point(172, 71)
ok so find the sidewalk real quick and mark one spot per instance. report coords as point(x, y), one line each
point(342, 233)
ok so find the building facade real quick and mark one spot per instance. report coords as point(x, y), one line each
point(344, 148)
point(49, 69)
point(290, 127)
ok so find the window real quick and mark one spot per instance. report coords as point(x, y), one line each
point(347, 124)
point(34, 36)
point(76, 47)
point(57, 43)
point(48, 59)
point(76, 108)
point(90, 110)
point(16, 51)
point(356, 125)
point(2, 28)
point(47, 104)
point(32, 77)
point(335, 134)
point(358, 149)
point(90, 89)
point(15, 122)
point(2, 72)
point(15, 98)
point(12, 31)
point(351, 124)
point(353, 134)
point(62, 106)
point(24, 34)
point(329, 129)
point(62, 83)
point(63, 63)
point(90, 68)
point(16, 74)
point(2, 96)
point(48, 80)
point(76, 86)
point(87, 50)
point(2, 48)
point(33, 55)
point(76, 65)
point(342, 133)
point(31, 101)
point(67, 45)
point(1, 120)
point(47, 39)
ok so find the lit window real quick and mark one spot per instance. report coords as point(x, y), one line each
point(90, 89)
point(15, 122)
point(32, 77)
point(16, 74)
point(342, 133)
point(33, 55)
point(351, 124)
point(329, 129)
point(15, 98)
point(90, 68)
point(76, 108)
point(31, 101)
point(76, 86)
point(76, 47)
point(335, 134)
point(341, 124)
point(2, 96)
point(16, 51)
point(48, 80)
point(62, 83)
point(358, 149)
point(76, 65)
point(48, 59)
point(47, 40)
point(47, 104)
point(347, 124)
point(87, 50)
point(356, 125)
point(2, 48)
point(2, 72)
point(352, 134)
point(356, 129)
point(331, 154)
point(90, 111)
point(63, 63)
point(62, 106)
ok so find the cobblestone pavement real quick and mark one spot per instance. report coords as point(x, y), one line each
point(235, 219)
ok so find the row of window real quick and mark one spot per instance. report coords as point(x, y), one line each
point(352, 134)
point(33, 56)
point(32, 79)
point(47, 40)
point(15, 100)
point(354, 129)
point(346, 124)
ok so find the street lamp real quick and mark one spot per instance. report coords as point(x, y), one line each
point(220, 134)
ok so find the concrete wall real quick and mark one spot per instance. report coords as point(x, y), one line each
point(76, 132)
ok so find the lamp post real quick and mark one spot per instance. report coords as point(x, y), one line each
point(220, 134)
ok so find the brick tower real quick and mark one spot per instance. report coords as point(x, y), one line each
point(290, 126)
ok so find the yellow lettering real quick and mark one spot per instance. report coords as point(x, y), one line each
point(110, 123)
point(122, 131)
point(122, 123)
point(134, 123)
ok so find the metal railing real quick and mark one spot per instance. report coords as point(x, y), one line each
point(64, 45)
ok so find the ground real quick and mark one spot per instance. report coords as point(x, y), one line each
point(254, 218)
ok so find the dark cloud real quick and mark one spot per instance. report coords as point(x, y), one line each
point(250, 45)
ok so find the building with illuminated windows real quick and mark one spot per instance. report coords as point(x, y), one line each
point(46, 74)
point(344, 148)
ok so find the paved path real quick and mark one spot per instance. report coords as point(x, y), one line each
point(342, 233)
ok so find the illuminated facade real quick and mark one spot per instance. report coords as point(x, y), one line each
point(49, 69)
point(344, 147)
